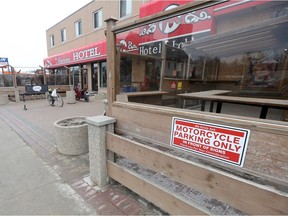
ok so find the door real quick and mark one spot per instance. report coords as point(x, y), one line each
point(94, 77)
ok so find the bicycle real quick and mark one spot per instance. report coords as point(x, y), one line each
point(54, 98)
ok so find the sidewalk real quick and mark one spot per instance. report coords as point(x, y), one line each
point(36, 179)
point(28, 186)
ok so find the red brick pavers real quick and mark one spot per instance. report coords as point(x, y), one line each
point(35, 127)
point(112, 200)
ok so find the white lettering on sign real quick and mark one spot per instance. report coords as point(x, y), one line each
point(61, 60)
point(86, 54)
point(127, 45)
point(37, 88)
point(149, 50)
point(170, 25)
point(223, 143)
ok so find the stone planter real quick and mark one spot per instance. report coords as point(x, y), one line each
point(72, 135)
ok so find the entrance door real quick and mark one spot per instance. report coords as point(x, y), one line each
point(103, 74)
point(94, 77)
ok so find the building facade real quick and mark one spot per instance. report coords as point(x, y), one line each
point(77, 44)
point(165, 55)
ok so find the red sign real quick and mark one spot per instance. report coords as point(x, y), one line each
point(219, 142)
point(188, 24)
point(173, 85)
point(191, 24)
point(92, 52)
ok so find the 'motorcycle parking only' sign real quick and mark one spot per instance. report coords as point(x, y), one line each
point(220, 142)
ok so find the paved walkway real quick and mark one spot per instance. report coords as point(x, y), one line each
point(28, 186)
point(36, 179)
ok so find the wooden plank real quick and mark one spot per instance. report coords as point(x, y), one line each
point(240, 193)
point(161, 198)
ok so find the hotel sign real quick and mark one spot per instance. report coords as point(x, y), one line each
point(92, 52)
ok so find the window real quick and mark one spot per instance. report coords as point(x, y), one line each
point(97, 16)
point(52, 41)
point(245, 65)
point(103, 74)
point(63, 35)
point(78, 28)
point(125, 8)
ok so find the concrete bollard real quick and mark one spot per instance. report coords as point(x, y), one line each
point(97, 127)
point(4, 99)
point(70, 97)
point(17, 95)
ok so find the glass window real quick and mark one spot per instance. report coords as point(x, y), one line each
point(97, 19)
point(75, 75)
point(94, 77)
point(78, 28)
point(237, 51)
point(52, 41)
point(125, 8)
point(103, 74)
point(63, 35)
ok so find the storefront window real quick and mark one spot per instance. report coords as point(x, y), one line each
point(84, 77)
point(58, 76)
point(103, 74)
point(75, 75)
point(235, 53)
point(94, 77)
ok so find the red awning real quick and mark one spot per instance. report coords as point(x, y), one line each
point(92, 52)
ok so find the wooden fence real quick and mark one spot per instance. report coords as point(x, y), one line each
point(147, 164)
point(143, 136)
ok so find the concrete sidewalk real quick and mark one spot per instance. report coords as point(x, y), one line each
point(28, 186)
point(36, 179)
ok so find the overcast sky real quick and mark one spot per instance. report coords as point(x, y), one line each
point(23, 28)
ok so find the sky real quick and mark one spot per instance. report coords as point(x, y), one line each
point(23, 28)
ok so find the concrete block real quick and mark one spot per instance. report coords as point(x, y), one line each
point(70, 95)
point(97, 128)
point(4, 99)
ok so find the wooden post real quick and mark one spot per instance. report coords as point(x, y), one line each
point(111, 60)
point(117, 71)
point(44, 74)
point(13, 76)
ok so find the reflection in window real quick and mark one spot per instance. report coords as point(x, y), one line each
point(240, 49)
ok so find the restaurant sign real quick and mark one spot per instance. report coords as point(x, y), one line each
point(222, 143)
point(3, 62)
